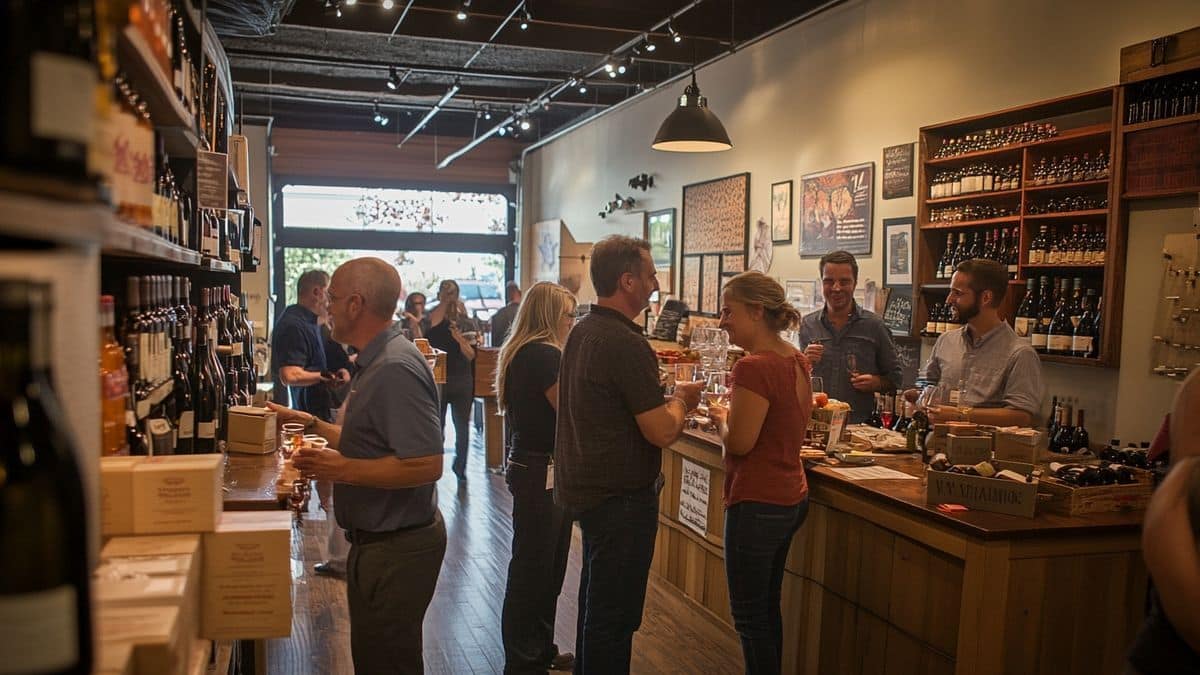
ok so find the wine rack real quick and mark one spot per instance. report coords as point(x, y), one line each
point(1065, 149)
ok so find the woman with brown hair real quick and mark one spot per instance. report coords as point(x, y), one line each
point(451, 330)
point(527, 392)
point(766, 494)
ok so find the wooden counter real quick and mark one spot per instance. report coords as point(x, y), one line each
point(250, 483)
point(878, 582)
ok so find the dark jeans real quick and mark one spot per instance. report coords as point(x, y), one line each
point(541, 543)
point(389, 584)
point(757, 539)
point(618, 545)
point(459, 396)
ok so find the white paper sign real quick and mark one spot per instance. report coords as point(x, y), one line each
point(693, 497)
point(874, 473)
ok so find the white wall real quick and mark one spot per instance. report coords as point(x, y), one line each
point(257, 285)
point(836, 89)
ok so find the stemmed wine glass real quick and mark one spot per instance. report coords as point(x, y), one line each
point(716, 389)
point(852, 365)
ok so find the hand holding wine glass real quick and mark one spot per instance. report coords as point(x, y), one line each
point(716, 391)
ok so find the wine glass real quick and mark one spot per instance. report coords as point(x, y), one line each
point(288, 435)
point(852, 365)
point(716, 389)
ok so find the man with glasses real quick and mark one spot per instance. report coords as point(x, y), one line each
point(298, 351)
point(849, 347)
point(385, 467)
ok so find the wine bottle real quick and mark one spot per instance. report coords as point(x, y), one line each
point(208, 396)
point(1045, 314)
point(44, 576)
point(946, 265)
point(185, 409)
point(1061, 442)
point(1083, 340)
point(1061, 332)
point(1026, 313)
point(1079, 436)
point(114, 384)
point(875, 419)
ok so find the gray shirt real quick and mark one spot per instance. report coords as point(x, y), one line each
point(997, 370)
point(392, 411)
point(864, 336)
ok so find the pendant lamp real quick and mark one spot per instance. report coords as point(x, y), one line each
point(692, 127)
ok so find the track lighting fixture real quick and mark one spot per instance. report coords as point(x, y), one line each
point(525, 125)
point(502, 131)
point(609, 67)
point(462, 11)
point(526, 18)
point(649, 46)
point(582, 88)
point(388, 4)
point(621, 68)
point(380, 119)
point(675, 37)
point(393, 81)
point(351, 3)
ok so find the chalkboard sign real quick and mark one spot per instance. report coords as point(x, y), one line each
point(667, 326)
point(908, 354)
point(897, 313)
point(898, 171)
point(212, 180)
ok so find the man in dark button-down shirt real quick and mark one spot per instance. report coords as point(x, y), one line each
point(612, 422)
point(387, 460)
point(829, 336)
point(298, 351)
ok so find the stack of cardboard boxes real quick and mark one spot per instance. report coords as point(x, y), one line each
point(177, 571)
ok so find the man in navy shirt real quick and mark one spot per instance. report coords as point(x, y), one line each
point(298, 351)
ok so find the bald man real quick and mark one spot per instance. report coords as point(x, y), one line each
point(387, 459)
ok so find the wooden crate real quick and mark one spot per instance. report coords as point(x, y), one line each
point(983, 494)
point(1175, 53)
point(1072, 501)
point(968, 449)
point(486, 359)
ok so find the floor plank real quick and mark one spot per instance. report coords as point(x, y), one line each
point(462, 627)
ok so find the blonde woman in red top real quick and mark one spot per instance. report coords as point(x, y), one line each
point(766, 494)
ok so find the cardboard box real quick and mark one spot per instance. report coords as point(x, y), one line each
point(247, 590)
point(968, 449)
point(159, 545)
point(113, 658)
point(984, 494)
point(116, 494)
point(153, 632)
point(183, 567)
point(1019, 445)
point(198, 662)
point(180, 493)
point(251, 430)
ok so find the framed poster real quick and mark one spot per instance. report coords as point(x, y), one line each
point(898, 251)
point(733, 264)
point(898, 171)
point(546, 241)
point(762, 249)
point(689, 291)
point(781, 212)
point(660, 232)
point(801, 293)
point(836, 207)
point(716, 216)
point(710, 285)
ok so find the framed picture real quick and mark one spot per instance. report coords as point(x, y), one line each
point(836, 208)
point(660, 232)
point(710, 285)
point(716, 216)
point(898, 171)
point(689, 290)
point(898, 251)
point(781, 212)
point(802, 293)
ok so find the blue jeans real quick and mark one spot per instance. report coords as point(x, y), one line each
point(618, 546)
point(757, 539)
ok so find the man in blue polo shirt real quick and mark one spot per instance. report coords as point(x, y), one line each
point(387, 460)
point(298, 351)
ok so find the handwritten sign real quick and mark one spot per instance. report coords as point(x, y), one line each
point(898, 171)
point(897, 313)
point(908, 354)
point(212, 180)
point(693, 497)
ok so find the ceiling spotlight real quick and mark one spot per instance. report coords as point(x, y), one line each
point(487, 114)
point(608, 67)
point(621, 69)
point(612, 73)
point(524, 125)
point(338, 11)
point(383, 120)
point(351, 3)
point(502, 131)
point(388, 4)
point(582, 88)
point(650, 46)
point(393, 81)
point(526, 17)
point(380, 119)
point(675, 37)
point(462, 11)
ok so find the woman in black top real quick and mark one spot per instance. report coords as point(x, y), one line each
point(452, 331)
point(527, 392)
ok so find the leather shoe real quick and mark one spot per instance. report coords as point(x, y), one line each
point(563, 661)
point(328, 569)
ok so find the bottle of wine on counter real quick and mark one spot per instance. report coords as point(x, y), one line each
point(44, 590)
point(1080, 442)
point(1061, 441)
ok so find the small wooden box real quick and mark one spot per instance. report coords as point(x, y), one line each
point(1073, 501)
point(486, 359)
point(1023, 446)
point(968, 449)
point(983, 494)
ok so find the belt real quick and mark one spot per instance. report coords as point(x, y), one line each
point(361, 537)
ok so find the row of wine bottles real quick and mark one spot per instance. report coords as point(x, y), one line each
point(989, 139)
point(999, 244)
point(1065, 437)
point(1070, 169)
point(941, 319)
point(1067, 203)
point(1083, 244)
point(979, 177)
point(971, 212)
point(1062, 318)
point(1162, 98)
point(171, 375)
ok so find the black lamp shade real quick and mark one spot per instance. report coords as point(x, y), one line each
point(692, 127)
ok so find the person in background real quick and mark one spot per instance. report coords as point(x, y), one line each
point(1169, 639)
point(613, 421)
point(336, 547)
point(503, 318)
point(451, 330)
point(527, 391)
point(413, 317)
point(384, 462)
point(990, 375)
point(841, 329)
point(766, 493)
point(298, 352)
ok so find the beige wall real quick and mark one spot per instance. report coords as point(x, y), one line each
point(839, 87)
point(257, 285)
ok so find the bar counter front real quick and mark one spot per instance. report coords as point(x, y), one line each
point(877, 581)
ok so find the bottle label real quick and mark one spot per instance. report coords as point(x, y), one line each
point(206, 430)
point(1036, 257)
point(1058, 343)
point(1021, 326)
point(38, 631)
point(187, 423)
point(1075, 320)
point(1081, 344)
point(930, 327)
point(1038, 340)
point(61, 97)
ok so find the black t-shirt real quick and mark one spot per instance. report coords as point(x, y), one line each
point(460, 372)
point(531, 418)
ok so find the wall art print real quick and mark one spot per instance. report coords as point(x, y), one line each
point(836, 210)
point(763, 249)
point(734, 263)
point(689, 291)
point(546, 241)
point(898, 251)
point(781, 212)
point(710, 285)
point(660, 232)
point(716, 216)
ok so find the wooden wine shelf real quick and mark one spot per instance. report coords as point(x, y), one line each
point(1072, 360)
point(1067, 186)
point(42, 219)
point(214, 265)
point(973, 196)
point(1165, 122)
point(1061, 266)
point(1080, 133)
point(171, 120)
point(129, 241)
point(969, 223)
point(1068, 214)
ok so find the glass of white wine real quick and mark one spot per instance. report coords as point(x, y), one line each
point(716, 389)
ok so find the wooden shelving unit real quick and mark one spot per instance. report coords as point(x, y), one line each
point(1085, 124)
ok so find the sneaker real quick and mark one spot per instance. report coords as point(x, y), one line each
point(328, 569)
point(563, 661)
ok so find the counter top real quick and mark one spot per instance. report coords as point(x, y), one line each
point(909, 496)
point(250, 482)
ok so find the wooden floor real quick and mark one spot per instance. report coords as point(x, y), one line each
point(462, 628)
